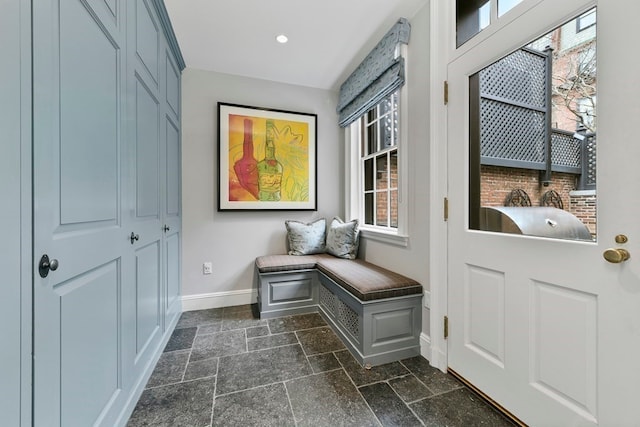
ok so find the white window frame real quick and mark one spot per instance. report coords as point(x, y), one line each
point(354, 193)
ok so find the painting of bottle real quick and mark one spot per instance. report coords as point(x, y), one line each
point(269, 169)
point(246, 168)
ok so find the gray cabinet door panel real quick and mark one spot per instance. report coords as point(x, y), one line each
point(148, 314)
point(147, 41)
point(78, 68)
point(89, 107)
point(89, 343)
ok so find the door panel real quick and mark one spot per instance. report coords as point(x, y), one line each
point(147, 151)
point(147, 294)
point(173, 87)
point(147, 38)
point(484, 329)
point(77, 308)
point(89, 335)
point(172, 171)
point(565, 370)
point(547, 327)
point(172, 250)
point(89, 107)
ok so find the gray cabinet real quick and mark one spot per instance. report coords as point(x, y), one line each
point(106, 156)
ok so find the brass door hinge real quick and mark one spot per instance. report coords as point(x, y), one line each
point(446, 209)
point(446, 327)
point(446, 92)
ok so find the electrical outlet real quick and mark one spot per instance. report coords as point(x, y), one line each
point(207, 268)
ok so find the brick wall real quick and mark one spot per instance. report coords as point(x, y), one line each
point(496, 183)
point(584, 207)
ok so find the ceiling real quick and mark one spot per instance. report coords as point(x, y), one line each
point(327, 38)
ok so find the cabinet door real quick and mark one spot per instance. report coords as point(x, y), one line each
point(142, 186)
point(172, 186)
point(77, 141)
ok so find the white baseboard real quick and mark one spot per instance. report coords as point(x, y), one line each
point(425, 346)
point(219, 299)
point(439, 359)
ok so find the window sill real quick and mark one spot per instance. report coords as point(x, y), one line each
point(384, 237)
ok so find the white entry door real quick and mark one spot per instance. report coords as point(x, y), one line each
point(548, 328)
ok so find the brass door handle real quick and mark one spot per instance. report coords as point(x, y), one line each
point(617, 255)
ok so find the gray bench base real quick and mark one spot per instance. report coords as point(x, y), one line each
point(376, 332)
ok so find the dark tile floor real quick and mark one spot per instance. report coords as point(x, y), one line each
point(225, 367)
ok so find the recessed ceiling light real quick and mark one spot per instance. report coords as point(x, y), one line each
point(282, 38)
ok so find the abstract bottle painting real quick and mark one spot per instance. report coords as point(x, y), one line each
point(282, 174)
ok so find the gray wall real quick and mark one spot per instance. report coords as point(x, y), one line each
point(15, 213)
point(232, 240)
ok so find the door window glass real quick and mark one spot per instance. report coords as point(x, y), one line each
point(533, 134)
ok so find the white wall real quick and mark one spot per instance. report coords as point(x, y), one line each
point(413, 260)
point(232, 240)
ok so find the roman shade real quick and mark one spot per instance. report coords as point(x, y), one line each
point(378, 75)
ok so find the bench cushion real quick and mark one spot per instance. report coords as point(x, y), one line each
point(277, 263)
point(364, 280)
point(367, 281)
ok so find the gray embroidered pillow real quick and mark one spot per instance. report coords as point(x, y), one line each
point(306, 239)
point(343, 238)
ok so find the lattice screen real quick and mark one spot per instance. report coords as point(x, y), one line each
point(511, 132)
point(513, 107)
point(328, 300)
point(349, 318)
point(519, 78)
point(565, 150)
point(589, 170)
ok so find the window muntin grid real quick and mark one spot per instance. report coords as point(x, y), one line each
point(379, 164)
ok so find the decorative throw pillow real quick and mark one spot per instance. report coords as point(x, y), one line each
point(343, 238)
point(306, 239)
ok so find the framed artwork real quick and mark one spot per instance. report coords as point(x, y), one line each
point(266, 159)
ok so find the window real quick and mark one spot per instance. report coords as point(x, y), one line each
point(378, 165)
point(586, 20)
point(473, 16)
point(376, 170)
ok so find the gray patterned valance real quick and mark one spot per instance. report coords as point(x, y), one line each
point(378, 75)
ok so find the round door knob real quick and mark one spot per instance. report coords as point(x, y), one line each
point(616, 255)
point(134, 237)
point(45, 265)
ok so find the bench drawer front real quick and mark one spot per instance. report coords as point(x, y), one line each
point(290, 290)
point(284, 294)
point(392, 326)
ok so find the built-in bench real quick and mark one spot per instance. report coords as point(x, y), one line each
point(376, 312)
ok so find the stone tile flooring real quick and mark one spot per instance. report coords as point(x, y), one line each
point(225, 367)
